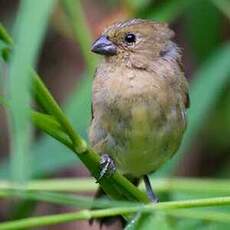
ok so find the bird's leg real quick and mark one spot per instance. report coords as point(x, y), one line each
point(107, 166)
point(149, 190)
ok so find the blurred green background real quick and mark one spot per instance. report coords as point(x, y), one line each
point(55, 38)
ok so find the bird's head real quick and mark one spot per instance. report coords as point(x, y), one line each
point(136, 36)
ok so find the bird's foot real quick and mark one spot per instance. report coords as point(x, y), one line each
point(153, 197)
point(149, 190)
point(107, 166)
point(155, 200)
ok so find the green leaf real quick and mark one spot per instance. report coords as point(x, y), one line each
point(50, 125)
point(169, 10)
point(82, 35)
point(4, 36)
point(202, 41)
point(185, 186)
point(30, 26)
point(223, 6)
point(4, 50)
point(78, 107)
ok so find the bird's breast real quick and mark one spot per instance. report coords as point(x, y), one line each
point(121, 84)
point(141, 117)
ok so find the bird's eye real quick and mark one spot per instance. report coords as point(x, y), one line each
point(130, 38)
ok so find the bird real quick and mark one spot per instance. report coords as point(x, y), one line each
point(139, 99)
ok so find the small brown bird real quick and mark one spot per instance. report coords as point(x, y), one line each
point(140, 96)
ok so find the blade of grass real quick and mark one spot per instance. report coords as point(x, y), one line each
point(206, 88)
point(169, 10)
point(202, 15)
point(79, 103)
point(79, 201)
point(223, 6)
point(29, 30)
point(78, 107)
point(49, 125)
point(69, 200)
point(87, 214)
point(4, 36)
point(182, 185)
point(45, 99)
point(82, 35)
point(3, 48)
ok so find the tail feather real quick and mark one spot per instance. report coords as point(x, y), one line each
point(109, 221)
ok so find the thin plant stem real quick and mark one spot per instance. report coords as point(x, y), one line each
point(49, 125)
point(88, 214)
point(82, 35)
point(48, 103)
point(184, 185)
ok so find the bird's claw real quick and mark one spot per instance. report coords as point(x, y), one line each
point(155, 201)
point(149, 190)
point(107, 166)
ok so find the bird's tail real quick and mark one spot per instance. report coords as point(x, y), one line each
point(109, 221)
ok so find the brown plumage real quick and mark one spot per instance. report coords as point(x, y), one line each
point(140, 96)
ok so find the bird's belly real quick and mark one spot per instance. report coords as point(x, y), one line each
point(143, 139)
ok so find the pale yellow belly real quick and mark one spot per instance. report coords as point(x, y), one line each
point(142, 141)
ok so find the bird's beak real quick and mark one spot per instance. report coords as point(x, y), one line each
point(104, 46)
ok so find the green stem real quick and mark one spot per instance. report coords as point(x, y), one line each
point(46, 100)
point(49, 125)
point(88, 214)
point(4, 36)
point(81, 32)
point(184, 185)
point(70, 200)
point(54, 185)
point(193, 185)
